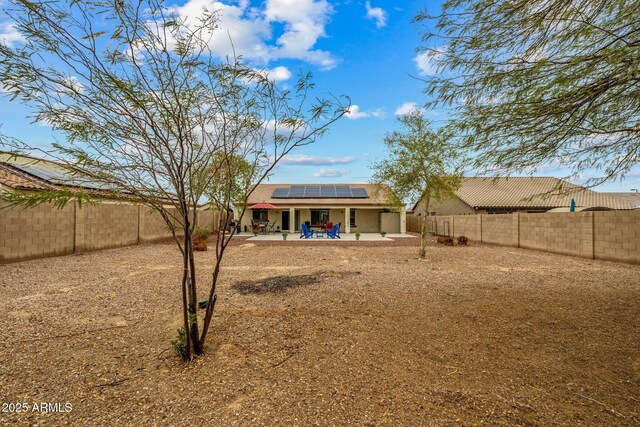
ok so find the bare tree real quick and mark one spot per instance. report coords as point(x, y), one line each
point(148, 112)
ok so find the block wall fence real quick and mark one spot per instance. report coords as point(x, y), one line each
point(609, 235)
point(46, 231)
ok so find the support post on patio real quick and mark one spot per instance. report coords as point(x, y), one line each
point(347, 222)
point(292, 219)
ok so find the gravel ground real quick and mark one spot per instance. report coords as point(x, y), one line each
point(308, 334)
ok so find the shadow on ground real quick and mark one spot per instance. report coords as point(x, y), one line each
point(279, 284)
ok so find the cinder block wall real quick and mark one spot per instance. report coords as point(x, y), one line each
point(35, 233)
point(467, 225)
point(617, 235)
point(106, 225)
point(563, 233)
point(610, 235)
point(46, 231)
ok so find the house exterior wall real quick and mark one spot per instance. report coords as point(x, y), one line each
point(367, 219)
point(452, 206)
point(608, 235)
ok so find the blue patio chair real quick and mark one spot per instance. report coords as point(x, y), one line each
point(305, 232)
point(335, 232)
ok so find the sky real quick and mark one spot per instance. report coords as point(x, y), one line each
point(363, 49)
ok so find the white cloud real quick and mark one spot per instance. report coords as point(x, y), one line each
point(250, 29)
point(376, 13)
point(426, 62)
point(406, 108)
point(278, 74)
point(304, 160)
point(331, 173)
point(9, 35)
point(354, 113)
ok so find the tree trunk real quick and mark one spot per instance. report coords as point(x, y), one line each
point(424, 236)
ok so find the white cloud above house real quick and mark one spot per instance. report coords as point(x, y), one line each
point(331, 173)
point(406, 108)
point(377, 14)
point(354, 113)
point(305, 160)
point(427, 62)
point(249, 31)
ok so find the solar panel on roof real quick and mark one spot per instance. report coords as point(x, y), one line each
point(60, 177)
point(297, 192)
point(359, 193)
point(312, 191)
point(280, 193)
point(343, 192)
point(328, 191)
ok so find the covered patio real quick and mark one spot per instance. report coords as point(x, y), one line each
point(363, 208)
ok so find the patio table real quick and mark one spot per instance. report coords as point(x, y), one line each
point(320, 233)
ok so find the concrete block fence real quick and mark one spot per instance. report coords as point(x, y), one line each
point(46, 231)
point(610, 235)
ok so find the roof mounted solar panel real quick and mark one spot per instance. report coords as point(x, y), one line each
point(312, 191)
point(280, 193)
point(328, 192)
point(359, 193)
point(343, 192)
point(297, 192)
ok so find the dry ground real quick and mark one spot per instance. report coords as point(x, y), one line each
point(330, 334)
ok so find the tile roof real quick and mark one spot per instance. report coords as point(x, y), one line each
point(633, 198)
point(529, 192)
point(377, 196)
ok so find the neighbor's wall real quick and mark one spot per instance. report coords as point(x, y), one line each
point(611, 235)
point(46, 231)
point(37, 232)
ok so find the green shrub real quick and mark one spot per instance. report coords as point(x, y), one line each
point(383, 233)
point(445, 240)
point(201, 233)
point(180, 343)
point(462, 240)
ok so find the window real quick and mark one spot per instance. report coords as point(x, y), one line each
point(352, 218)
point(319, 216)
point(260, 215)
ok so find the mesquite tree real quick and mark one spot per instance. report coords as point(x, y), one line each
point(535, 82)
point(421, 165)
point(148, 113)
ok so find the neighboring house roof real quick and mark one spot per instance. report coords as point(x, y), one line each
point(531, 193)
point(376, 195)
point(633, 198)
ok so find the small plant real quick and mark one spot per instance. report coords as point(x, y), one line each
point(180, 343)
point(462, 240)
point(199, 245)
point(357, 235)
point(201, 234)
point(203, 304)
point(445, 240)
point(284, 235)
point(383, 233)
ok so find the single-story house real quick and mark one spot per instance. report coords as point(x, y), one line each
point(364, 208)
point(486, 195)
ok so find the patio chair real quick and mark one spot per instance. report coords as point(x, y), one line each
point(272, 227)
point(328, 226)
point(305, 232)
point(335, 232)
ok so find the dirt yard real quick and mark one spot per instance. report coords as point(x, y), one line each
point(325, 334)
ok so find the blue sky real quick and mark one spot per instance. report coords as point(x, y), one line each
point(363, 49)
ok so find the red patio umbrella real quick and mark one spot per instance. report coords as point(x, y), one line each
point(263, 205)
